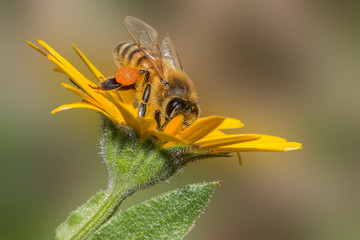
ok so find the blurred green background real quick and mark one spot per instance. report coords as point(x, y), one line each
point(285, 68)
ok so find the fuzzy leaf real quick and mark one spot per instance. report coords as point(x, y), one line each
point(72, 222)
point(168, 216)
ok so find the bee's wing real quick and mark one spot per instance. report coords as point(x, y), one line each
point(146, 38)
point(170, 54)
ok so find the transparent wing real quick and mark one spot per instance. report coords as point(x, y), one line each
point(146, 38)
point(170, 54)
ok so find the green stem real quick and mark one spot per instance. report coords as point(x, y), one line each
point(107, 207)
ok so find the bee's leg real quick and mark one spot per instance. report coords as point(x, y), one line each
point(165, 83)
point(167, 120)
point(147, 75)
point(157, 119)
point(128, 87)
point(146, 94)
point(108, 84)
point(142, 110)
point(145, 98)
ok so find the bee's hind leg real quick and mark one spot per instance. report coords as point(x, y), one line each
point(108, 84)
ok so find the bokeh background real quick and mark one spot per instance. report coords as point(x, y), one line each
point(284, 67)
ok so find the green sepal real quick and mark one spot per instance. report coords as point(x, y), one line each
point(168, 216)
point(75, 218)
point(143, 162)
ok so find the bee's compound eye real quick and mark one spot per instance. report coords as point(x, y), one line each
point(175, 103)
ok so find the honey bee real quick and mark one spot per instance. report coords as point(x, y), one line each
point(156, 73)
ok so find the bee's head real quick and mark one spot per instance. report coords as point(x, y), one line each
point(177, 106)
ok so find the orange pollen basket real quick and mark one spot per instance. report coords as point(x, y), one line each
point(127, 75)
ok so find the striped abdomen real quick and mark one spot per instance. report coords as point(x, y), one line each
point(128, 54)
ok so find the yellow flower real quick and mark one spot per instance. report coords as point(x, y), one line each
point(204, 134)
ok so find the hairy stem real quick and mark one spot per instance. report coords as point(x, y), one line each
point(107, 207)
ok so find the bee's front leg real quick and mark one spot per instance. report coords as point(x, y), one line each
point(157, 119)
point(160, 126)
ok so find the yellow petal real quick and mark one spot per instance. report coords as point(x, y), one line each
point(166, 137)
point(58, 57)
point(36, 48)
point(117, 113)
point(80, 93)
point(80, 80)
point(174, 125)
point(127, 97)
point(269, 139)
point(146, 124)
point(260, 146)
point(93, 69)
point(59, 70)
point(230, 123)
point(81, 105)
point(83, 95)
point(129, 118)
point(200, 128)
point(215, 133)
point(226, 140)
